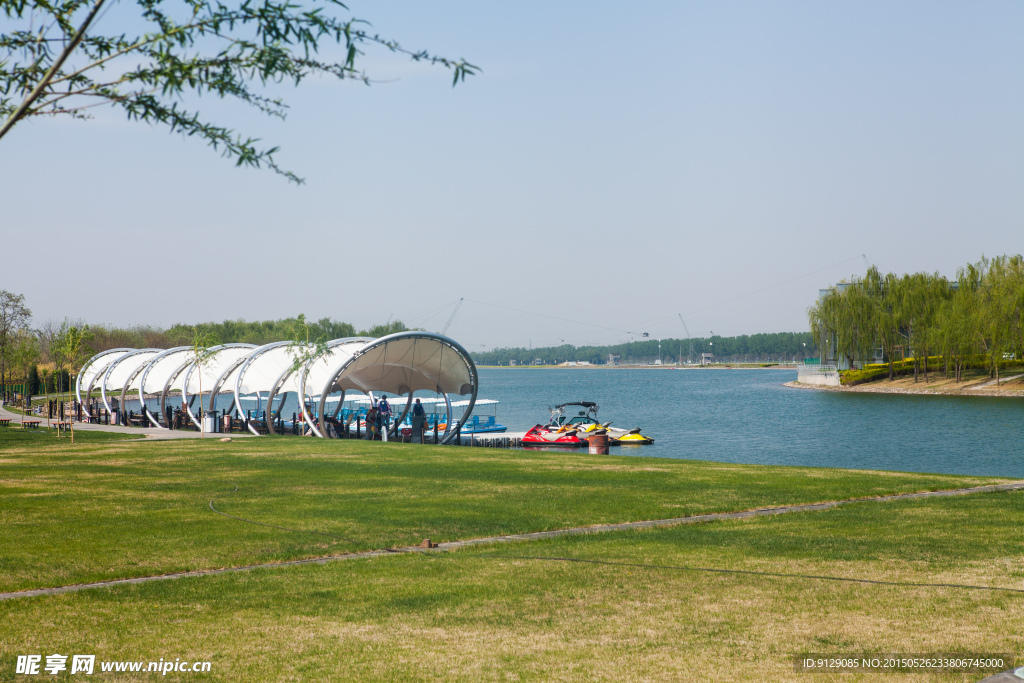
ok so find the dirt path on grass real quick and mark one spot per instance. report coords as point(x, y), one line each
point(535, 536)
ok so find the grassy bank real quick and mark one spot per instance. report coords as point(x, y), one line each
point(15, 437)
point(482, 614)
point(117, 509)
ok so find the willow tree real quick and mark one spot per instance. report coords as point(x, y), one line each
point(14, 317)
point(978, 320)
point(69, 351)
point(999, 308)
point(887, 312)
point(933, 291)
point(964, 318)
point(56, 61)
point(24, 355)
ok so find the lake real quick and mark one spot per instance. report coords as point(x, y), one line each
point(748, 416)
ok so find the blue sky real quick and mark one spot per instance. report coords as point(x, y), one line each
point(613, 165)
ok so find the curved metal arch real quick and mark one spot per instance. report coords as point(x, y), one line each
point(192, 366)
point(142, 383)
point(219, 382)
point(305, 374)
point(445, 341)
point(241, 373)
point(88, 364)
point(127, 385)
point(110, 368)
point(170, 380)
point(278, 383)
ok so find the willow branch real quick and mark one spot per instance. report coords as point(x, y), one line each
point(18, 113)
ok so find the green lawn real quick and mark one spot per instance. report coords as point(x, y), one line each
point(117, 509)
point(481, 615)
point(14, 436)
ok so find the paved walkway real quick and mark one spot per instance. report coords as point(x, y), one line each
point(992, 382)
point(535, 536)
point(148, 433)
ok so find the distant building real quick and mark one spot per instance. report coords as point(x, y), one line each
point(512, 363)
point(538, 361)
point(613, 358)
point(706, 358)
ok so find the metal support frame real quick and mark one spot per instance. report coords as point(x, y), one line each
point(89, 374)
point(305, 376)
point(474, 383)
point(216, 384)
point(249, 360)
point(110, 368)
point(88, 364)
point(169, 353)
point(226, 372)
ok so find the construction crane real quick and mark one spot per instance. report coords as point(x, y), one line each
point(452, 316)
point(687, 335)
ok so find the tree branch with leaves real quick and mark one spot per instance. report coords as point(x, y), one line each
point(56, 62)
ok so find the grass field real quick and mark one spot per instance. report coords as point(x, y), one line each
point(113, 509)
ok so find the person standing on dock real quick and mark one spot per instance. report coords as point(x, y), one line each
point(418, 422)
point(384, 409)
point(371, 422)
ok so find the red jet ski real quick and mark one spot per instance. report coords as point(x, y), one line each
point(543, 436)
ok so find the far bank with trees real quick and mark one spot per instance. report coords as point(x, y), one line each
point(884, 326)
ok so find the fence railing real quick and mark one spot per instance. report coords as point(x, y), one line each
point(816, 368)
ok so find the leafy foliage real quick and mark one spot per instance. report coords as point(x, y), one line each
point(750, 348)
point(977, 318)
point(14, 317)
point(57, 63)
point(257, 332)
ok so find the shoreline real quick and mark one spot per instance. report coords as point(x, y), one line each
point(885, 387)
point(723, 366)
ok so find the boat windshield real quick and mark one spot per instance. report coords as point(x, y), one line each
point(574, 414)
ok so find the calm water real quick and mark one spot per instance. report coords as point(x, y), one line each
point(747, 416)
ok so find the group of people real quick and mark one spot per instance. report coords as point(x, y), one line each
point(378, 419)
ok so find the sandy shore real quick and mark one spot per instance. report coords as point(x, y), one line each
point(1013, 385)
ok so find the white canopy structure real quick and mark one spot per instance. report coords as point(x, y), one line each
point(121, 371)
point(94, 369)
point(398, 364)
point(211, 373)
point(157, 375)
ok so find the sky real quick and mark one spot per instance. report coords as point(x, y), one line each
point(612, 167)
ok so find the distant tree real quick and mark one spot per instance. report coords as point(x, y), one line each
point(58, 62)
point(69, 351)
point(1000, 308)
point(14, 316)
point(202, 351)
point(24, 355)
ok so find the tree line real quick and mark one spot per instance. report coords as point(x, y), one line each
point(765, 347)
point(972, 321)
point(44, 358)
